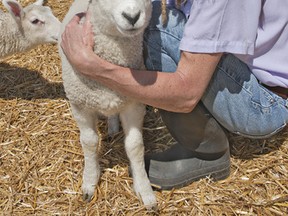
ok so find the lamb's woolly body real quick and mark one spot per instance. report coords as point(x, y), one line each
point(81, 90)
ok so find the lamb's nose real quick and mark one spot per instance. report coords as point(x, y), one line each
point(132, 19)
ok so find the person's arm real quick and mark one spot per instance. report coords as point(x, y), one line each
point(177, 92)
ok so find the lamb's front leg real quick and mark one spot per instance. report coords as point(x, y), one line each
point(86, 121)
point(132, 123)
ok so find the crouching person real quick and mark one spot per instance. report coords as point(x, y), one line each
point(210, 67)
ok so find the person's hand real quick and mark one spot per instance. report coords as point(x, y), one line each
point(78, 40)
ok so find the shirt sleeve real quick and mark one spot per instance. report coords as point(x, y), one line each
point(222, 26)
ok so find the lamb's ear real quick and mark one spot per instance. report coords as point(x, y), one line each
point(39, 2)
point(15, 9)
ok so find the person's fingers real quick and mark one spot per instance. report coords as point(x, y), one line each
point(76, 19)
point(80, 15)
point(87, 23)
point(88, 36)
point(77, 35)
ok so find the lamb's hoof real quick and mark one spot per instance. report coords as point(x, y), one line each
point(88, 193)
point(152, 207)
point(87, 197)
point(144, 192)
point(150, 202)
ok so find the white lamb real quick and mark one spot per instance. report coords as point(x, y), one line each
point(118, 26)
point(24, 28)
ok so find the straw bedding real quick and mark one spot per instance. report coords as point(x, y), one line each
point(41, 159)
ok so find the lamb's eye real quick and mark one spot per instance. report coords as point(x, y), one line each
point(36, 21)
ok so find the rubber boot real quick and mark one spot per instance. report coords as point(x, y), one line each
point(202, 150)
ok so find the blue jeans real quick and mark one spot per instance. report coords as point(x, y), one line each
point(234, 96)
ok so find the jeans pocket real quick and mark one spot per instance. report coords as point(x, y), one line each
point(264, 101)
point(267, 117)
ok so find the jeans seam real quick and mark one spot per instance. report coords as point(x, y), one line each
point(264, 136)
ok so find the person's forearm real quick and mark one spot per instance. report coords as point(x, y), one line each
point(178, 92)
point(158, 89)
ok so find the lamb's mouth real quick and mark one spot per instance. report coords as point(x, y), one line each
point(130, 31)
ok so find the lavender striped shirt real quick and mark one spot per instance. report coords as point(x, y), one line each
point(256, 31)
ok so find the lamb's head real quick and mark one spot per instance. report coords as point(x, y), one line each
point(35, 21)
point(122, 17)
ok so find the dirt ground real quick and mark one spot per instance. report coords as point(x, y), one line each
point(41, 158)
